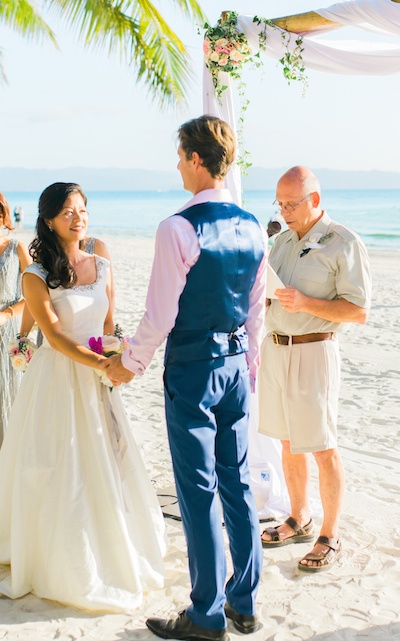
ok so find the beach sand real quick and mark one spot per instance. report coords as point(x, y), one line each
point(359, 598)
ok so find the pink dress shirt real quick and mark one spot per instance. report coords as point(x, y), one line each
point(177, 250)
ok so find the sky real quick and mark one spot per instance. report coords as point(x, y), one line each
point(79, 107)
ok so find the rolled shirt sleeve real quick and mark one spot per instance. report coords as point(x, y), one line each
point(339, 268)
point(353, 278)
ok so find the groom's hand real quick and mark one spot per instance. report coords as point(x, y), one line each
point(115, 371)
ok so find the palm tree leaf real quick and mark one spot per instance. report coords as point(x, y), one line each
point(169, 59)
point(100, 22)
point(137, 30)
point(22, 16)
point(192, 8)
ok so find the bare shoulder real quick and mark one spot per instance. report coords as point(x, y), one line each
point(21, 247)
point(23, 255)
point(101, 249)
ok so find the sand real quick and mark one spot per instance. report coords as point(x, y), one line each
point(359, 598)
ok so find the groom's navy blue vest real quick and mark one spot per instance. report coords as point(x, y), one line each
point(214, 304)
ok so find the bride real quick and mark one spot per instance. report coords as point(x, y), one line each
point(79, 520)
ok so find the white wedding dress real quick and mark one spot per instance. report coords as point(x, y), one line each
point(79, 520)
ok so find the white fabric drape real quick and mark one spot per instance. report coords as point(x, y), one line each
point(340, 57)
point(226, 112)
point(378, 16)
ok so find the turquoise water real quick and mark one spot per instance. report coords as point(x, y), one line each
point(374, 214)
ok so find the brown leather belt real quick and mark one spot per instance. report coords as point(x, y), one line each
point(280, 339)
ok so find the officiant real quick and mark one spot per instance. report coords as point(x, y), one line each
point(325, 269)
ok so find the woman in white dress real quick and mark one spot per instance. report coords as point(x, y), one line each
point(79, 520)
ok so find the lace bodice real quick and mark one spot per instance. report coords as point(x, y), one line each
point(81, 309)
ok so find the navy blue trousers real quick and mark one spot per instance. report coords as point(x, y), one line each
point(207, 411)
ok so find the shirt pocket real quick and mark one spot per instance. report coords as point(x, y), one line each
point(317, 282)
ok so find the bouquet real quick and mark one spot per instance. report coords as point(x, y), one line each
point(107, 346)
point(21, 350)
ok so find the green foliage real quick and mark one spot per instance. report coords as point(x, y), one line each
point(243, 157)
point(23, 17)
point(132, 28)
point(118, 331)
point(292, 62)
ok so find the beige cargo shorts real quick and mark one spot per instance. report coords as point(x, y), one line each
point(298, 393)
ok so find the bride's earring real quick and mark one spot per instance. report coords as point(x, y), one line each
point(50, 228)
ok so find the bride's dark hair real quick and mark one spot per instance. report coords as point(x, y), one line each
point(45, 247)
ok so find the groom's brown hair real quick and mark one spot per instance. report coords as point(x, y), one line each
point(213, 140)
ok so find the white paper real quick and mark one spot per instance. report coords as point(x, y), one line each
point(273, 282)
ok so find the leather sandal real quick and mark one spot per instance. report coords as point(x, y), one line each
point(325, 559)
point(300, 534)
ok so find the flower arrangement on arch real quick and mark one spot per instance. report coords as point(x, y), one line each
point(21, 350)
point(225, 49)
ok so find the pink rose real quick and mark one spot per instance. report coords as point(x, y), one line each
point(29, 353)
point(223, 62)
point(111, 344)
point(206, 47)
point(218, 49)
point(19, 363)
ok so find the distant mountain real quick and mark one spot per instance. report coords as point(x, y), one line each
point(260, 178)
point(107, 179)
point(112, 179)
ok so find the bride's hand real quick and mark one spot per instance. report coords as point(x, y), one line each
point(116, 372)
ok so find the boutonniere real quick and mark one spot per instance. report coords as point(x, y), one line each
point(315, 242)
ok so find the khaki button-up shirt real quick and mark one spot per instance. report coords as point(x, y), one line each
point(338, 270)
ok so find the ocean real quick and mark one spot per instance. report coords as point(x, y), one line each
point(374, 214)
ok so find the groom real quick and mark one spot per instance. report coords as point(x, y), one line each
point(207, 294)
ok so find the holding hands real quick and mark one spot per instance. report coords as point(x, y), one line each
point(115, 371)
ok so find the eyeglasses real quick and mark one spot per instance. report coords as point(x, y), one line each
point(289, 208)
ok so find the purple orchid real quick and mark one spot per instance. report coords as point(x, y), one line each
point(96, 345)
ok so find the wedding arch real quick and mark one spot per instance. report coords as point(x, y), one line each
point(296, 39)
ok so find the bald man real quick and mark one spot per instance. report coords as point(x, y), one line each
point(325, 268)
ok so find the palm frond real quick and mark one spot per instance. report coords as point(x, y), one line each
point(133, 28)
point(22, 16)
point(99, 23)
point(136, 30)
point(169, 60)
point(192, 8)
